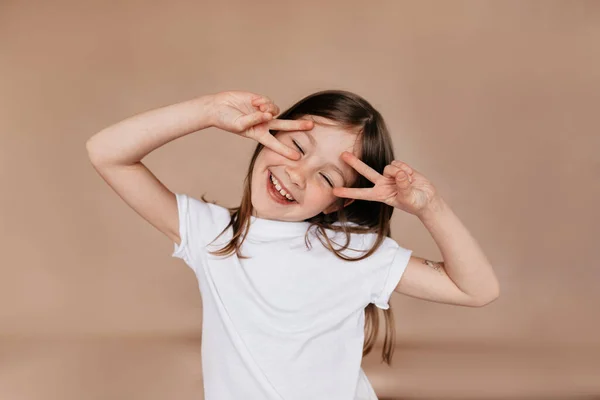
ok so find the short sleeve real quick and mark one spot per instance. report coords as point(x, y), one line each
point(181, 250)
point(198, 225)
point(388, 277)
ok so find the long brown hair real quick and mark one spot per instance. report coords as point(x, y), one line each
point(354, 113)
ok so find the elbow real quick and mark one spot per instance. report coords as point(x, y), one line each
point(490, 298)
point(90, 150)
point(481, 303)
point(94, 155)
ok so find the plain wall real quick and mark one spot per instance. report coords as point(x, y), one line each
point(495, 101)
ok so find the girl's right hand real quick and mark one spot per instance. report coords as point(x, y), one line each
point(251, 115)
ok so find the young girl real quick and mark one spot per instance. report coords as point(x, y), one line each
point(290, 280)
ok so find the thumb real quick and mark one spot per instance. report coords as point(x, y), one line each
point(255, 118)
point(402, 180)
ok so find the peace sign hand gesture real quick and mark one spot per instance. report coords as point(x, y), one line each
point(251, 115)
point(400, 186)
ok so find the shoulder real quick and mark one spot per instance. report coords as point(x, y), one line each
point(204, 208)
point(391, 262)
point(381, 271)
point(360, 243)
point(204, 219)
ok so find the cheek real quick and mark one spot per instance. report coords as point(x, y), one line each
point(320, 196)
point(260, 165)
point(268, 158)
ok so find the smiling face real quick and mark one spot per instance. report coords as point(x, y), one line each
point(308, 181)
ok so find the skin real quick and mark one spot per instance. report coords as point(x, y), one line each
point(465, 277)
point(305, 178)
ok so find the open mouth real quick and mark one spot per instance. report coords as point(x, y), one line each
point(278, 193)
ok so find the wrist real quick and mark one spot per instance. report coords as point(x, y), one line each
point(205, 104)
point(435, 206)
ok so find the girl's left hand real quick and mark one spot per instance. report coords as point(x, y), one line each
point(400, 186)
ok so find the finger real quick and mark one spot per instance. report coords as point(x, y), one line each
point(272, 143)
point(269, 107)
point(354, 193)
point(260, 100)
point(390, 171)
point(255, 118)
point(290, 124)
point(403, 180)
point(403, 166)
point(360, 166)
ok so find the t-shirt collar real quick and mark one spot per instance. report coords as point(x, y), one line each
point(274, 228)
point(271, 228)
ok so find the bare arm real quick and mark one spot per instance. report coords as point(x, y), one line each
point(465, 277)
point(428, 280)
point(116, 153)
point(128, 141)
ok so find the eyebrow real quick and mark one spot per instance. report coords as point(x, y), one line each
point(314, 143)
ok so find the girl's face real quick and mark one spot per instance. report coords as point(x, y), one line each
point(310, 180)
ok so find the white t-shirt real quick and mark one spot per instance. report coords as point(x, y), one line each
point(288, 322)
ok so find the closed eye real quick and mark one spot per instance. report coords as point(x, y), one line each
point(328, 180)
point(299, 148)
point(302, 151)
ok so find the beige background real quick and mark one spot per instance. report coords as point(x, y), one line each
point(495, 101)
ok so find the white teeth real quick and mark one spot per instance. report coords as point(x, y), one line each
point(280, 190)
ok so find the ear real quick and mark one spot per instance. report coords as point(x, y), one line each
point(334, 207)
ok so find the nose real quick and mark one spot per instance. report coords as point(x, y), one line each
point(297, 175)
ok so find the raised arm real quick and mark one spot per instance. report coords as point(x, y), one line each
point(465, 276)
point(116, 153)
